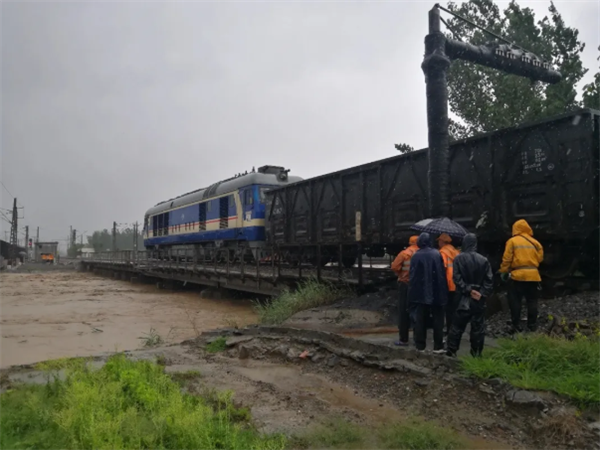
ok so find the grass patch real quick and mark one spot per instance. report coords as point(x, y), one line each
point(419, 435)
point(151, 339)
point(218, 345)
point(568, 367)
point(337, 434)
point(309, 294)
point(123, 405)
point(414, 434)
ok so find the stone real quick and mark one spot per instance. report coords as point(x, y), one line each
point(332, 361)
point(344, 362)
point(291, 354)
point(594, 426)
point(317, 357)
point(357, 356)
point(486, 389)
point(281, 350)
point(495, 381)
point(525, 398)
point(237, 340)
point(422, 383)
point(243, 353)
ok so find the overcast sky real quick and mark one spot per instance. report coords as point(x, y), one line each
point(108, 108)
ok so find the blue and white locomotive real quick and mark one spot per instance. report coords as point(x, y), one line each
point(227, 214)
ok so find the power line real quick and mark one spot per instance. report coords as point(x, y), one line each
point(6, 189)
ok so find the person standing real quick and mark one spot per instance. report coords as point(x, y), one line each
point(522, 257)
point(401, 267)
point(427, 293)
point(449, 253)
point(474, 282)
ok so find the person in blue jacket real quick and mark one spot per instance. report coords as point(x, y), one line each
point(428, 293)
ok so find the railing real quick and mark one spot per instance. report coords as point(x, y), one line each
point(273, 265)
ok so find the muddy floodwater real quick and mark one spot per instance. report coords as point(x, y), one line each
point(54, 315)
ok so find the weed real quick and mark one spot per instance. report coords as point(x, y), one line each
point(161, 360)
point(193, 323)
point(62, 364)
point(337, 434)
point(232, 323)
point(182, 377)
point(123, 405)
point(419, 435)
point(152, 339)
point(310, 294)
point(218, 345)
point(568, 367)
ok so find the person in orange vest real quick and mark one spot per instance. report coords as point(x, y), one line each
point(449, 252)
point(522, 257)
point(401, 267)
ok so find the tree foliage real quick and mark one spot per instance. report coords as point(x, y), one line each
point(591, 91)
point(486, 99)
point(404, 148)
point(102, 241)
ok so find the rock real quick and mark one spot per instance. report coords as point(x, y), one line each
point(281, 350)
point(525, 398)
point(243, 353)
point(486, 389)
point(344, 362)
point(422, 383)
point(317, 357)
point(495, 382)
point(594, 426)
point(332, 361)
point(234, 340)
point(357, 356)
point(291, 354)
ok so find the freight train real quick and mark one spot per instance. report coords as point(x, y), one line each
point(546, 172)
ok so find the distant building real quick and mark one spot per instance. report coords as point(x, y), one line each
point(46, 251)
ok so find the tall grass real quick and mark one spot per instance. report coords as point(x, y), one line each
point(309, 294)
point(571, 368)
point(123, 405)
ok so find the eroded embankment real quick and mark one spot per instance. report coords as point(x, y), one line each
point(415, 383)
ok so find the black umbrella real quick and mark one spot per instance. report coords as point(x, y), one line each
point(439, 226)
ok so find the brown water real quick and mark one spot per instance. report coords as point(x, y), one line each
point(55, 315)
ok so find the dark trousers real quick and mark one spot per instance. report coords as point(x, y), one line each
point(453, 298)
point(403, 314)
point(476, 315)
point(422, 313)
point(517, 290)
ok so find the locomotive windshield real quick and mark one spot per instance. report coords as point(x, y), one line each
point(261, 193)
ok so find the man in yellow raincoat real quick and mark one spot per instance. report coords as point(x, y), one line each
point(522, 257)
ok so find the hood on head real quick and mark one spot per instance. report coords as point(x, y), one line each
point(424, 240)
point(469, 243)
point(413, 240)
point(521, 227)
point(444, 239)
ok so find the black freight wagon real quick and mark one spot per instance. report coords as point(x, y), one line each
point(545, 172)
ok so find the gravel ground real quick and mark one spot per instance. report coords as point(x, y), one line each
point(582, 308)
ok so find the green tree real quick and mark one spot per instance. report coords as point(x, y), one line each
point(102, 241)
point(404, 148)
point(591, 91)
point(486, 99)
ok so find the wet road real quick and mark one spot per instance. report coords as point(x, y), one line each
point(55, 315)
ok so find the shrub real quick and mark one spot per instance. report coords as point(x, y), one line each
point(309, 294)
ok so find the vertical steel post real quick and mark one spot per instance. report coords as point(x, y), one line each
point(435, 66)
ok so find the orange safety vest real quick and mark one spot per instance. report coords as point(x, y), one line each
point(401, 265)
point(448, 253)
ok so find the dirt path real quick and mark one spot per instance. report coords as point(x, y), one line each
point(54, 315)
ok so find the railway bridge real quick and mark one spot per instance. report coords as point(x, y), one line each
point(268, 276)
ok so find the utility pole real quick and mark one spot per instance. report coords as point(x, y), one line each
point(114, 237)
point(69, 240)
point(13, 234)
point(37, 239)
point(74, 243)
point(27, 241)
point(440, 51)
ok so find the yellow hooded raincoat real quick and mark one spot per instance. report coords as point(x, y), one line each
point(523, 254)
